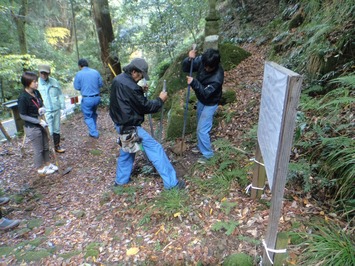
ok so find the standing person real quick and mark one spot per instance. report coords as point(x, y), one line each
point(208, 89)
point(53, 99)
point(30, 106)
point(127, 109)
point(5, 223)
point(88, 81)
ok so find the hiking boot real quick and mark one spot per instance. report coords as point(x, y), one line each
point(195, 150)
point(121, 185)
point(180, 185)
point(4, 200)
point(59, 149)
point(45, 171)
point(6, 224)
point(53, 167)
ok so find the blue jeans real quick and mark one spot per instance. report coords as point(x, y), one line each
point(155, 154)
point(205, 115)
point(89, 107)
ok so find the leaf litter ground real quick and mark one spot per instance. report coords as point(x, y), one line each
point(81, 218)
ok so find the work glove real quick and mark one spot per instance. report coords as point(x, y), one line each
point(43, 123)
point(41, 111)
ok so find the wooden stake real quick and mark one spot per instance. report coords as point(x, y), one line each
point(259, 175)
point(3, 130)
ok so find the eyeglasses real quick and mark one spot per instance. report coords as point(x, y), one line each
point(44, 73)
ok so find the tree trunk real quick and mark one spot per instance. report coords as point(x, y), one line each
point(20, 21)
point(105, 33)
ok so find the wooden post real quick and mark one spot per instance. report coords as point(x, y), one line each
point(281, 243)
point(13, 105)
point(3, 130)
point(259, 175)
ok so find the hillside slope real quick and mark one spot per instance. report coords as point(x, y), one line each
point(73, 215)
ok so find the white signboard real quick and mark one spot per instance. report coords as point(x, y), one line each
point(272, 113)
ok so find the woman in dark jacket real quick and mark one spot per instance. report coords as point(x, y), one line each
point(31, 109)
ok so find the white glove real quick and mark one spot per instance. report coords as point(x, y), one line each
point(41, 111)
point(43, 123)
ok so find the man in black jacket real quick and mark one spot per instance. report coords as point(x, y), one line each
point(127, 109)
point(208, 89)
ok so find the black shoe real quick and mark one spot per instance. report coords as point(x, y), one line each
point(118, 185)
point(180, 185)
point(4, 200)
point(6, 224)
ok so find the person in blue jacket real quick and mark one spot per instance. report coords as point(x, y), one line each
point(208, 89)
point(88, 81)
point(54, 102)
point(128, 105)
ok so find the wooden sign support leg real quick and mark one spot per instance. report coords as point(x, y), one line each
point(259, 175)
point(3, 130)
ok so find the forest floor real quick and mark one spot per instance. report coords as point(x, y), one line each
point(81, 219)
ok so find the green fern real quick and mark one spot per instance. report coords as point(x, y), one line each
point(228, 226)
point(345, 81)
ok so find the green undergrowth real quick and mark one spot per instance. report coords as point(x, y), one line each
point(173, 201)
point(325, 137)
point(326, 244)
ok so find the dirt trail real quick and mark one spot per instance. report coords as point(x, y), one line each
point(80, 208)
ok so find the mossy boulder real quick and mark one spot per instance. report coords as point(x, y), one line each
point(239, 259)
point(176, 117)
point(232, 55)
point(228, 96)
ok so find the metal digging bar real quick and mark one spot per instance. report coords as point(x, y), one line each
point(68, 169)
point(149, 115)
point(186, 105)
point(162, 116)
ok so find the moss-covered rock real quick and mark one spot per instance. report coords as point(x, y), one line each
point(239, 259)
point(228, 96)
point(232, 55)
point(176, 117)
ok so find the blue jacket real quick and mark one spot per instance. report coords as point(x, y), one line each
point(88, 81)
point(52, 95)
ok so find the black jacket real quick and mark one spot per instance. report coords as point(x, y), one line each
point(128, 104)
point(207, 85)
point(28, 107)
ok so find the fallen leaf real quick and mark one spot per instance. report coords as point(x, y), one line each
point(132, 251)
